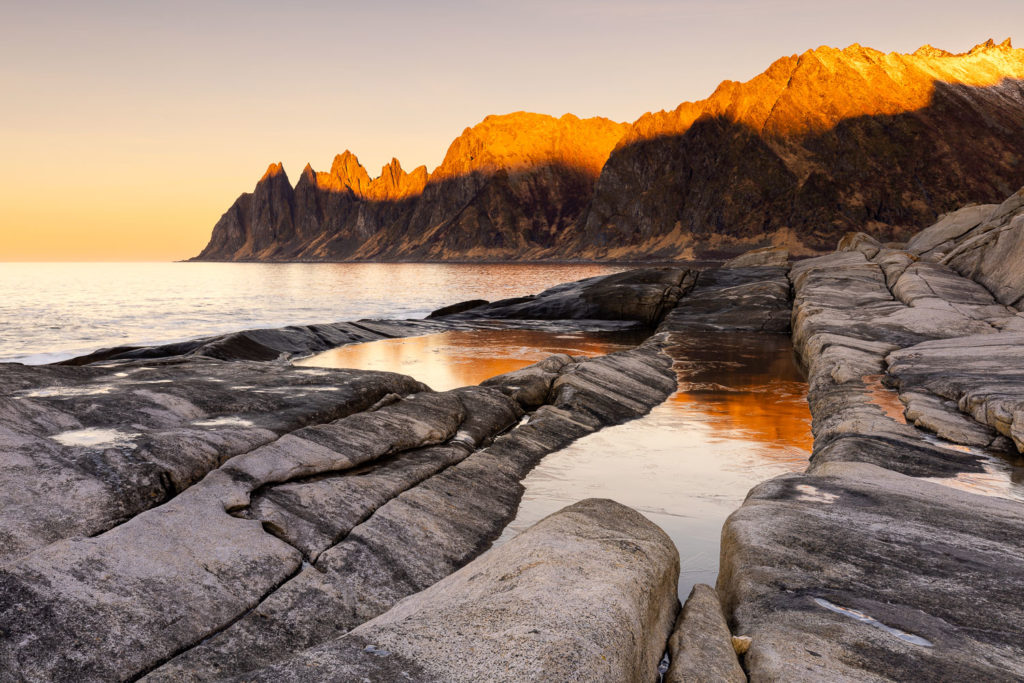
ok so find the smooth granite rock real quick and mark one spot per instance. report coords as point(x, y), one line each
point(588, 593)
point(83, 449)
point(992, 252)
point(112, 606)
point(756, 299)
point(982, 376)
point(941, 236)
point(431, 529)
point(853, 572)
point(700, 646)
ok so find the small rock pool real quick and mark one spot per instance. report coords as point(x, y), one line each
point(740, 416)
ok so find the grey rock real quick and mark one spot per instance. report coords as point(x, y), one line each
point(83, 449)
point(982, 376)
point(460, 307)
point(112, 606)
point(269, 344)
point(643, 295)
point(941, 236)
point(765, 256)
point(854, 572)
point(739, 298)
point(431, 529)
point(991, 252)
point(586, 594)
point(700, 646)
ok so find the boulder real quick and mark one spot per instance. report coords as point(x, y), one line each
point(643, 295)
point(755, 299)
point(588, 593)
point(701, 647)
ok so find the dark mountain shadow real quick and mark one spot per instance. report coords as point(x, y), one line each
point(717, 189)
point(723, 185)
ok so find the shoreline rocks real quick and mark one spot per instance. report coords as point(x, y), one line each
point(859, 569)
point(589, 593)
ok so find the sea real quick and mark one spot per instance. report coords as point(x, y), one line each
point(54, 311)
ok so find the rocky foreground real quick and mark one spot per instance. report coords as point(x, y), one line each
point(208, 511)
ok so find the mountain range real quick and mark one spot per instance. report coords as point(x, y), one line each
point(819, 144)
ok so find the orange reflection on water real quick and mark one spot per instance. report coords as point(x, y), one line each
point(465, 357)
point(740, 417)
point(773, 413)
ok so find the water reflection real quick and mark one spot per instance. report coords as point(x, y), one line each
point(464, 357)
point(739, 417)
point(52, 311)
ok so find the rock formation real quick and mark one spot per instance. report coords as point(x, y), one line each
point(858, 569)
point(206, 511)
point(819, 144)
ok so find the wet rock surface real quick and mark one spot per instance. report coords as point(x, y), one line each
point(227, 514)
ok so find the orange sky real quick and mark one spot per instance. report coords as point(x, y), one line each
point(128, 128)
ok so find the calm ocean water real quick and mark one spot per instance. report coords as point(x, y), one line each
point(53, 311)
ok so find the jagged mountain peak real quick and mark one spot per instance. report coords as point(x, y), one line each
point(274, 170)
point(823, 141)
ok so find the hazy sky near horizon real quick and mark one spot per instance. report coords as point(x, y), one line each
point(127, 128)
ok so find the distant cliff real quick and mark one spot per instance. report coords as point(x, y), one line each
point(819, 144)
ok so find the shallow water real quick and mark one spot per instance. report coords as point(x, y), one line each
point(53, 311)
point(459, 358)
point(740, 417)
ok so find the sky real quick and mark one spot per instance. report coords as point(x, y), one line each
point(127, 128)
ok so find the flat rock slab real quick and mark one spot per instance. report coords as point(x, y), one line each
point(982, 376)
point(854, 572)
point(585, 594)
point(643, 295)
point(112, 606)
point(269, 344)
point(755, 299)
point(85, 448)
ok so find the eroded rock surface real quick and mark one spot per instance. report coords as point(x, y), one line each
point(586, 594)
point(859, 570)
point(283, 507)
point(700, 646)
point(86, 448)
point(643, 295)
point(854, 572)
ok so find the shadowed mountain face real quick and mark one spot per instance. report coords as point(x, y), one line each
point(819, 144)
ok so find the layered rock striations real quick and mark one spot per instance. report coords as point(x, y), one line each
point(819, 144)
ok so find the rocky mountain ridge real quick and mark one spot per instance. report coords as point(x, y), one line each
point(819, 144)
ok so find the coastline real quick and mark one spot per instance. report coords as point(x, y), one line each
point(868, 565)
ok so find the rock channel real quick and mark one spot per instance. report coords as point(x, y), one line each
point(859, 569)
